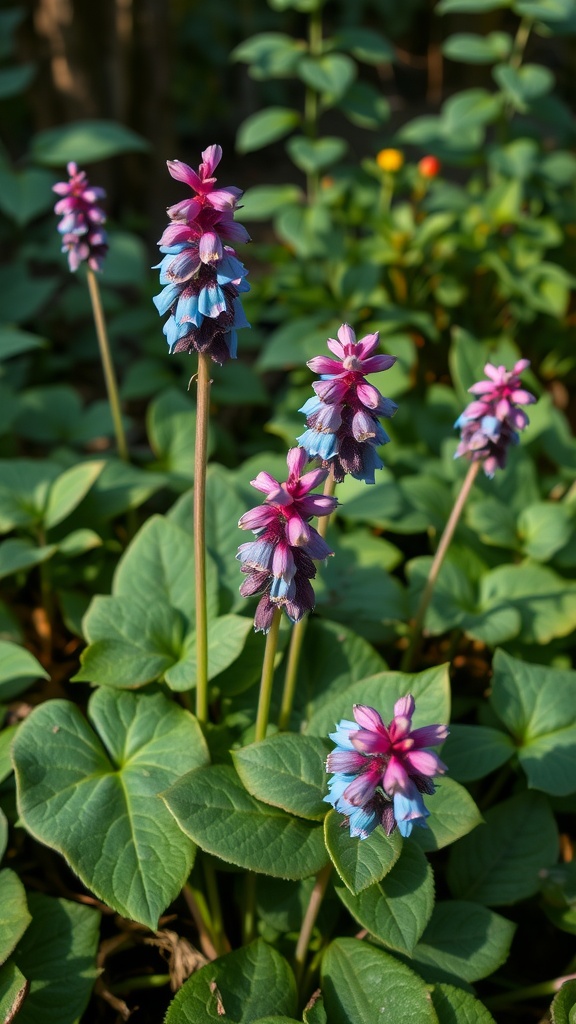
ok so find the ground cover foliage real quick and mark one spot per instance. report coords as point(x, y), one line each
point(163, 868)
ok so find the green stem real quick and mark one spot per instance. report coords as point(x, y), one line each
point(200, 458)
point(107, 364)
point(519, 995)
point(249, 922)
point(201, 916)
point(520, 41)
point(298, 633)
point(220, 937)
point(143, 981)
point(413, 649)
point(317, 895)
point(267, 678)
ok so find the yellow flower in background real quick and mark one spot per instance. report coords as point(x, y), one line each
point(390, 159)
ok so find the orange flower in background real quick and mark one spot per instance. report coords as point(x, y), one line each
point(390, 160)
point(429, 166)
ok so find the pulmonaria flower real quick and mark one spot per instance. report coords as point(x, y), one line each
point(490, 424)
point(279, 563)
point(201, 274)
point(381, 772)
point(81, 226)
point(342, 420)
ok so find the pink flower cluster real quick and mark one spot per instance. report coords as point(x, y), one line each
point(82, 219)
point(491, 423)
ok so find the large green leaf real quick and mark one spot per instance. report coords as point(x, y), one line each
point(213, 808)
point(562, 1009)
point(501, 862)
point(243, 987)
point(171, 426)
point(397, 909)
point(286, 771)
point(74, 782)
point(14, 916)
point(430, 689)
point(463, 942)
point(84, 142)
point(331, 73)
point(6, 737)
point(13, 341)
point(475, 49)
point(24, 485)
point(363, 984)
point(538, 705)
point(68, 490)
point(18, 553)
point(454, 1006)
point(312, 155)
point(473, 751)
point(18, 669)
point(453, 814)
point(360, 862)
point(57, 954)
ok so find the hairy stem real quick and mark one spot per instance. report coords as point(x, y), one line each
point(413, 649)
point(200, 458)
point(519, 995)
point(107, 365)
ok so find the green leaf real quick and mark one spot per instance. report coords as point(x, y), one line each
point(14, 342)
point(6, 737)
point(130, 642)
point(70, 786)
point(85, 142)
point(469, 108)
point(286, 771)
point(332, 73)
point(544, 528)
point(117, 489)
point(473, 751)
point(18, 554)
point(547, 10)
point(18, 669)
point(24, 196)
point(24, 485)
point(226, 638)
point(470, 6)
point(243, 986)
point(57, 954)
point(171, 427)
point(538, 705)
point(494, 522)
point(14, 916)
point(463, 942)
point(360, 862)
point(79, 542)
point(366, 45)
point(270, 54)
point(521, 85)
point(474, 49)
point(396, 910)
point(15, 80)
point(13, 989)
point(265, 127)
point(314, 1012)
point(312, 155)
point(430, 689)
point(454, 1006)
point(213, 808)
point(453, 815)
point(545, 601)
point(562, 1009)
point(358, 981)
point(263, 201)
point(365, 107)
point(67, 491)
point(355, 587)
point(501, 862)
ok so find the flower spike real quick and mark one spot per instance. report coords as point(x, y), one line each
point(491, 423)
point(83, 237)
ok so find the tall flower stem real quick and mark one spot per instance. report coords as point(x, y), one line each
point(200, 457)
point(298, 632)
point(267, 678)
point(107, 364)
point(322, 879)
point(413, 649)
